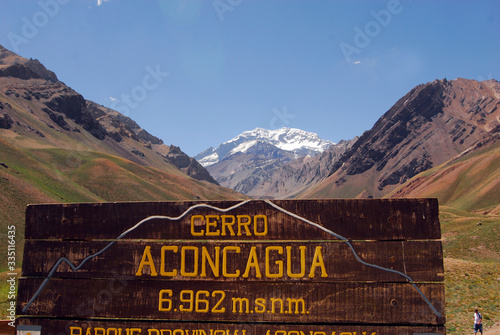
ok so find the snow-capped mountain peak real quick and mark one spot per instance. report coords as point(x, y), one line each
point(293, 140)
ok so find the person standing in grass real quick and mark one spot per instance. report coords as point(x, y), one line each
point(478, 322)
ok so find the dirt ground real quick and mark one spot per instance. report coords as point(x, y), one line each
point(495, 330)
point(5, 329)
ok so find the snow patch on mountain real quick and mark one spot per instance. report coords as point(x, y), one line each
point(243, 147)
point(298, 141)
point(209, 160)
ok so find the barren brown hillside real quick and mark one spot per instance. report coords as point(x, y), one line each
point(470, 182)
point(57, 147)
point(430, 125)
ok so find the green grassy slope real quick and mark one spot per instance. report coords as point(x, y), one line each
point(472, 269)
point(54, 149)
point(59, 175)
point(468, 189)
point(65, 176)
point(68, 176)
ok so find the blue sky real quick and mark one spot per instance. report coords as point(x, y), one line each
point(197, 73)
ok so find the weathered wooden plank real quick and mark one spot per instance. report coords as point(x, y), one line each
point(258, 266)
point(359, 219)
point(349, 302)
point(420, 260)
point(125, 327)
point(372, 218)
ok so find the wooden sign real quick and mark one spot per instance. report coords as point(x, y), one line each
point(281, 267)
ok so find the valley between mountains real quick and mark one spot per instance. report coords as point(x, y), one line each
point(432, 124)
point(439, 140)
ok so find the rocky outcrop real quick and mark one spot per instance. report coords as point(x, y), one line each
point(5, 121)
point(401, 175)
point(41, 71)
point(144, 135)
point(23, 68)
point(58, 119)
point(380, 144)
point(289, 179)
point(118, 126)
point(188, 165)
point(23, 71)
point(243, 171)
point(73, 106)
point(19, 71)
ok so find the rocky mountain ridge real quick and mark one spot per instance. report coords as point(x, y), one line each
point(249, 160)
point(430, 125)
point(433, 123)
point(288, 180)
point(28, 84)
point(297, 141)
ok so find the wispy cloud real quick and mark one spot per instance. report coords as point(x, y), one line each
point(100, 2)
